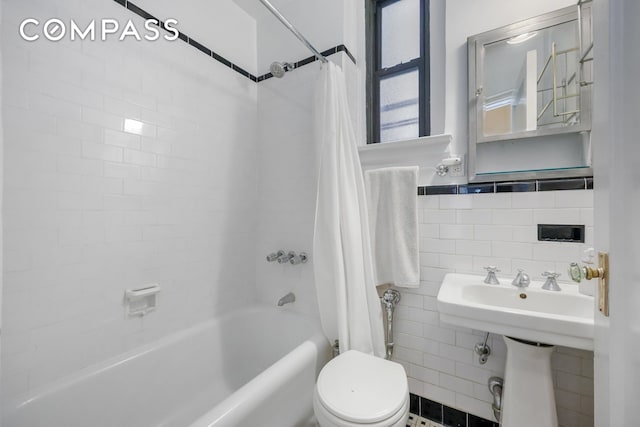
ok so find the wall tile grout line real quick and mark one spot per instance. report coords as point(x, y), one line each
point(202, 48)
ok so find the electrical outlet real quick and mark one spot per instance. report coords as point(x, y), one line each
point(457, 170)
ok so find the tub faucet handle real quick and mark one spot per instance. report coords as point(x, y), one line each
point(301, 258)
point(273, 256)
point(284, 258)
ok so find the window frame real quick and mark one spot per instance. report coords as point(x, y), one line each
point(375, 73)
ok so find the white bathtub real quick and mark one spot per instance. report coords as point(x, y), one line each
point(255, 366)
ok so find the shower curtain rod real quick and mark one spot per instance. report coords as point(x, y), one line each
point(293, 29)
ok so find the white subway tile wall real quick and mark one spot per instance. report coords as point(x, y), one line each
point(287, 167)
point(131, 163)
point(464, 233)
point(126, 163)
point(287, 186)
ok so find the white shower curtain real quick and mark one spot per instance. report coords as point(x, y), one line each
point(349, 305)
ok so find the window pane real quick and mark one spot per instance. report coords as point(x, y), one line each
point(400, 38)
point(399, 109)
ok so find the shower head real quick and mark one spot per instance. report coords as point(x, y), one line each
point(279, 68)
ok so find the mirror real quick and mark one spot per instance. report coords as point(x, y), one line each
point(530, 98)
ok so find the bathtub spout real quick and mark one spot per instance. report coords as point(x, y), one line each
point(288, 298)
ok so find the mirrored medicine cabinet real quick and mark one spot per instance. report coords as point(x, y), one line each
point(530, 90)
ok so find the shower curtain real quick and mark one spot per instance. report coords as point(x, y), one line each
point(343, 268)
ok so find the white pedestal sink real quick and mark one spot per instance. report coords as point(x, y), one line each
point(531, 314)
point(527, 396)
point(561, 318)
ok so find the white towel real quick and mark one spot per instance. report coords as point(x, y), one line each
point(393, 220)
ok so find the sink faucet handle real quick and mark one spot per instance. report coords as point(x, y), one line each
point(491, 278)
point(521, 280)
point(550, 284)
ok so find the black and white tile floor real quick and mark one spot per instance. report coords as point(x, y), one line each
point(417, 421)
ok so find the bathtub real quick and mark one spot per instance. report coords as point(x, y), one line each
point(255, 366)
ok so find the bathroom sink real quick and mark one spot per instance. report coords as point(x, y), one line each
point(561, 318)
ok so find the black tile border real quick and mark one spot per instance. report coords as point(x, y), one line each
point(516, 186)
point(414, 404)
point(312, 59)
point(445, 415)
point(562, 184)
point(139, 11)
point(474, 421)
point(430, 410)
point(202, 48)
point(477, 188)
point(453, 417)
point(440, 189)
point(509, 187)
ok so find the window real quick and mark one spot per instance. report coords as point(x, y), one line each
point(398, 69)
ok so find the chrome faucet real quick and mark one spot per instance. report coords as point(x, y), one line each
point(522, 279)
point(301, 258)
point(551, 284)
point(288, 257)
point(273, 256)
point(287, 299)
point(285, 258)
point(491, 278)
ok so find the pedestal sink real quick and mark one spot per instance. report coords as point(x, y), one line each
point(561, 318)
point(532, 320)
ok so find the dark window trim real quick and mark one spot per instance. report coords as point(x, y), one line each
point(375, 73)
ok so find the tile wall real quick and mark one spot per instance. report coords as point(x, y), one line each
point(287, 148)
point(112, 207)
point(287, 188)
point(464, 233)
point(126, 163)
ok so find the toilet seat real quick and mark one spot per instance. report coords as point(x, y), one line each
point(357, 389)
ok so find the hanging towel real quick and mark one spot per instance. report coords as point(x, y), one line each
point(393, 219)
point(342, 261)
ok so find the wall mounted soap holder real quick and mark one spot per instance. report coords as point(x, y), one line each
point(141, 301)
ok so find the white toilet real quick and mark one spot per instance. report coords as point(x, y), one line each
point(356, 389)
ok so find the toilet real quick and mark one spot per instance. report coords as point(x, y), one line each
point(356, 389)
